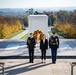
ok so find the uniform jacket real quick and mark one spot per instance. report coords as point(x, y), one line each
point(31, 42)
point(54, 42)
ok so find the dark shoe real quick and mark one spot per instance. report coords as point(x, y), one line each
point(54, 62)
point(29, 61)
point(32, 62)
point(42, 61)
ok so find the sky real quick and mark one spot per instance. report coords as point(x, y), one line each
point(36, 3)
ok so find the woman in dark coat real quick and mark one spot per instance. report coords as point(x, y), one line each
point(43, 47)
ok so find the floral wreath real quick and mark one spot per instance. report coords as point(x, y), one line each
point(38, 32)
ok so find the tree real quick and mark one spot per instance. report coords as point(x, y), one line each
point(52, 19)
point(25, 21)
point(36, 13)
point(9, 25)
point(30, 11)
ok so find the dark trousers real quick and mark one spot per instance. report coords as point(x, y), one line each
point(43, 54)
point(31, 55)
point(54, 55)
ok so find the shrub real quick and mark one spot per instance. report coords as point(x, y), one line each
point(68, 29)
point(9, 25)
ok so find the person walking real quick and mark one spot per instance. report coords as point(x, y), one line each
point(54, 45)
point(43, 47)
point(31, 45)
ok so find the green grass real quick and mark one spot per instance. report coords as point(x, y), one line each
point(14, 34)
point(60, 33)
point(25, 37)
point(49, 33)
point(63, 35)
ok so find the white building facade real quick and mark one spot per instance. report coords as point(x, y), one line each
point(38, 22)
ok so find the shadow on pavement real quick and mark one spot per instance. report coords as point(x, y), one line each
point(25, 68)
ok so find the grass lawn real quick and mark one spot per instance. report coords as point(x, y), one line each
point(14, 34)
point(49, 33)
point(25, 37)
point(60, 33)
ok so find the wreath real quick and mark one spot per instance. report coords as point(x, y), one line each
point(38, 32)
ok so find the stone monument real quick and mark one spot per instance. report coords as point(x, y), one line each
point(38, 23)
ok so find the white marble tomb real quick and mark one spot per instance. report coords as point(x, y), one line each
point(38, 22)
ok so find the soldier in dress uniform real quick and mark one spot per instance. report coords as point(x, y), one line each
point(31, 45)
point(54, 45)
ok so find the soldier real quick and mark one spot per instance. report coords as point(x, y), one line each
point(54, 45)
point(31, 45)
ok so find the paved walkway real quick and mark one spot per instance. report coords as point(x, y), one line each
point(20, 35)
point(22, 67)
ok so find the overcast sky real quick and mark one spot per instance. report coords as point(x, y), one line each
point(36, 3)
